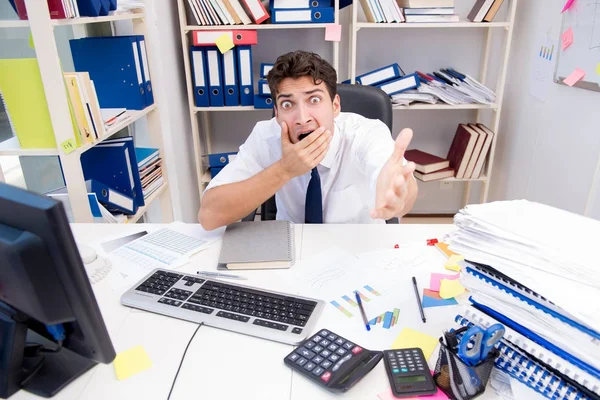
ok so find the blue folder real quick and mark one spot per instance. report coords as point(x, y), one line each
point(380, 75)
point(263, 101)
point(244, 59)
point(89, 8)
point(214, 72)
point(111, 198)
point(104, 7)
point(198, 61)
point(302, 16)
point(113, 5)
point(115, 67)
point(230, 79)
point(264, 69)
point(263, 87)
point(148, 92)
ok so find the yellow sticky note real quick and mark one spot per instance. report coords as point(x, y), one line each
point(411, 338)
point(130, 362)
point(452, 263)
point(598, 69)
point(224, 43)
point(450, 288)
point(31, 41)
point(68, 145)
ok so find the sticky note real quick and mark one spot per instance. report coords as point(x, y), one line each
point(568, 5)
point(450, 288)
point(598, 68)
point(388, 395)
point(224, 43)
point(68, 145)
point(333, 32)
point(411, 338)
point(567, 38)
point(443, 248)
point(131, 362)
point(575, 77)
point(436, 280)
point(433, 299)
point(31, 41)
point(452, 263)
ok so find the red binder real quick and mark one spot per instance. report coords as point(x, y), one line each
point(239, 37)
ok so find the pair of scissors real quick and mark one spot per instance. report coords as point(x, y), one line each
point(476, 343)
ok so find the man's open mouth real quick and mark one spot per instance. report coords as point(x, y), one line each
point(303, 135)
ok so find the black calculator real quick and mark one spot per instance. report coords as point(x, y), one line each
point(332, 361)
point(408, 372)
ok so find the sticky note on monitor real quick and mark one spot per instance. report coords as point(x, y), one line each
point(567, 38)
point(575, 77)
point(409, 338)
point(131, 362)
point(224, 43)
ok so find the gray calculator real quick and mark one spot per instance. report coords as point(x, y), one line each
point(408, 372)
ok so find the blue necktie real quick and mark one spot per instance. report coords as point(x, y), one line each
point(313, 209)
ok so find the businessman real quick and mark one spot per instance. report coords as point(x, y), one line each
point(324, 166)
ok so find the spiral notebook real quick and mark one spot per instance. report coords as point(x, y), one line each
point(258, 245)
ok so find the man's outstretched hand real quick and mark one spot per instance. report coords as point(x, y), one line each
point(391, 197)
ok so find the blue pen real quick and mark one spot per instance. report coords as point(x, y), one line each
point(362, 311)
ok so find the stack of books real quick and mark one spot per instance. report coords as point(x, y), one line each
point(385, 11)
point(540, 281)
point(484, 10)
point(149, 165)
point(417, 11)
point(469, 150)
point(429, 167)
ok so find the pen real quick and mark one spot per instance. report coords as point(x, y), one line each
point(362, 311)
point(220, 275)
point(418, 299)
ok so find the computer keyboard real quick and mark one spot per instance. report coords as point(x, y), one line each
point(270, 315)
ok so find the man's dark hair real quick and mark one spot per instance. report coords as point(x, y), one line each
point(302, 63)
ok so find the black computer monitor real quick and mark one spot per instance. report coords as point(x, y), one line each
point(51, 329)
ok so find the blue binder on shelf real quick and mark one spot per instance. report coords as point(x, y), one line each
point(230, 79)
point(111, 198)
point(263, 87)
point(244, 59)
point(263, 101)
point(104, 7)
point(198, 60)
point(286, 4)
point(115, 67)
point(380, 75)
point(145, 70)
point(302, 15)
point(113, 5)
point(401, 84)
point(214, 72)
point(264, 69)
point(89, 8)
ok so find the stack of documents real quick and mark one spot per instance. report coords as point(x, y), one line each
point(453, 87)
point(533, 268)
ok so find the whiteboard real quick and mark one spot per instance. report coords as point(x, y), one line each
point(584, 18)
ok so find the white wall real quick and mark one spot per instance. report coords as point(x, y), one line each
point(546, 151)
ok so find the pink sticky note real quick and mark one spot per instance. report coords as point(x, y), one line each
point(567, 38)
point(575, 77)
point(436, 280)
point(388, 395)
point(568, 5)
point(333, 32)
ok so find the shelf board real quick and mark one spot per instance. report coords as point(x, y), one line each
point(11, 147)
point(189, 28)
point(237, 108)
point(134, 218)
point(14, 23)
point(482, 178)
point(442, 106)
point(406, 25)
point(93, 20)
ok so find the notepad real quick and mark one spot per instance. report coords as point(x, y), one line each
point(411, 338)
point(131, 362)
point(258, 245)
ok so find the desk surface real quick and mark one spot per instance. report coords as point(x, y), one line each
point(226, 365)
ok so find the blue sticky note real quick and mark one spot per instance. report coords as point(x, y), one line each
point(431, 302)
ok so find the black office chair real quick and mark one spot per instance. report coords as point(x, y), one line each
point(368, 101)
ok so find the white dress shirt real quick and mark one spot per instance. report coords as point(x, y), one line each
point(349, 171)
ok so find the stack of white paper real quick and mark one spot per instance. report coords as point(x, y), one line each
point(551, 251)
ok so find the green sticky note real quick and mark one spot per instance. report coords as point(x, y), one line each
point(224, 43)
point(131, 362)
point(31, 41)
point(68, 146)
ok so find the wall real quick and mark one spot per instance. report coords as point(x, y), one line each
point(547, 151)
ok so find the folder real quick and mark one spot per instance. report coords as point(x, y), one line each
point(256, 10)
point(104, 7)
point(110, 197)
point(295, 15)
point(244, 59)
point(115, 67)
point(214, 72)
point(238, 37)
point(263, 87)
point(113, 4)
point(380, 75)
point(230, 76)
point(145, 70)
point(89, 8)
point(279, 4)
point(264, 69)
point(198, 60)
point(400, 84)
point(263, 101)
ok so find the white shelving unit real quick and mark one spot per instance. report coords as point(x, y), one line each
point(488, 28)
point(202, 135)
point(42, 30)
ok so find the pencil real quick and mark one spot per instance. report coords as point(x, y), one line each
point(362, 311)
point(418, 299)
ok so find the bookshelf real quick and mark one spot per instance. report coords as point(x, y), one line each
point(481, 110)
point(201, 131)
point(42, 31)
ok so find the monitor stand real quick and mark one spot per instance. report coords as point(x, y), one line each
point(24, 366)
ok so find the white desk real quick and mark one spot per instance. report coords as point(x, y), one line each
point(226, 365)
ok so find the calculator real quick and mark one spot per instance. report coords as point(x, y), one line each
point(332, 361)
point(408, 372)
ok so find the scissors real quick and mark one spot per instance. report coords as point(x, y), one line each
point(476, 343)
